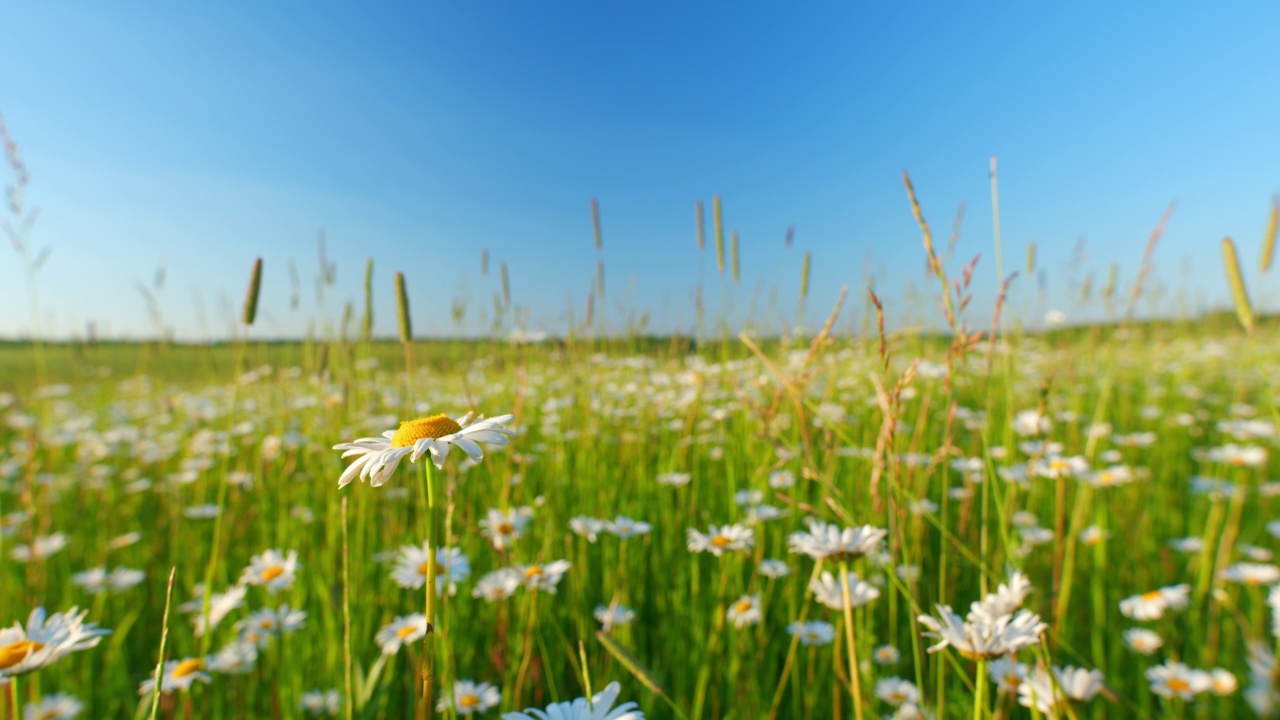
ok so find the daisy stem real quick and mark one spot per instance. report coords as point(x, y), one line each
point(855, 681)
point(980, 692)
point(428, 641)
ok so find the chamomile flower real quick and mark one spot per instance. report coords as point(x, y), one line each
point(828, 591)
point(235, 658)
point(1143, 641)
point(53, 707)
point(271, 569)
point(886, 655)
point(378, 457)
point(1252, 574)
point(722, 538)
point(896, 691)
point(587, 527)
point(469, 697)
point(1077, 685)
point(625, 527)
point(220, 605)
point(401, 631)
point(674, 479)
point(44, 640)
point(813, 632)
point(261, 625)
point(1152, 605)
point(1008, 673)
point(498, 585)
point(319, 703)
point(774, 568)
point(744, 611)
point(452, 567)
point(504, 527)
point(543, 577)
point(614, 615)
point(1222, 682)
point(1173, 679)
point(1008, 597)
point(40, 548)
point(600, 707)
point(982, 636)
point(827, 541)
point(177, 675)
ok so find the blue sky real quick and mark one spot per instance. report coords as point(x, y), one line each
point(197, 137)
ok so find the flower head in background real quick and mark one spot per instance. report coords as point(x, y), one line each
point(982, 636)
point(722, 538)
point(178, 675)
point(827, 590)
point(54, 707)
point(469, 697)
point(400, 632)
point(319, 703)
point(744, 611)
point(828, 541)
point(614, 615)
point(272, 569)
point(452, 567)
point(600, 707)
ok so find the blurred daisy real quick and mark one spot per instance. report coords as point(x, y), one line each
point(452, 567)
point(829, 541)
point(1187, 545)
point(498, 585)
point(744, 498)
point(504, 527)
point(98, 580)
point(827, 590)
point(614, 615)
point(896, 691)
point(177, 675)
point(1238, 455)
point(318, 703)
point(600, 707)
point(1152, 605)
point(53, 707)
point(1173, 679)
point(45, 640)
point(220, 605)
point(401, 631)
point(1093, 535)
point(981, 636)
point(813, 632)
point(1143, 641)
point(378, 457)
point(774, 568)
point(272, 570)
point(886, 655)
point(625, 527)
point(235, 658)
point(1222, 682)
point(1007, 672)
point(469, 697)
point(744, 611)
point(1077, 685)
point(261, 625)
point(722, 538)
point(40, 548)
point(587, 527)
point(781, 479)
point(674, 479)
point(1251, 574)
point(543, 577)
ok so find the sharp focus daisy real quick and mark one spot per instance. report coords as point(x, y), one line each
point(829, 541)
point(600, 707)
point(1152, 605)
point(981, 636)
point(469, 697)
point(44, 640)
point(378, 457)
point(722, 538)
point(272, 569)
point(401, 631)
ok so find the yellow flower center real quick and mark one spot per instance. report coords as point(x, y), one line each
point(897, 698)
point(436, 426)
point(16, 652)
point(532, 572)
point(1152, 596)
point(265, 624)
point(468, 701)
point(1057, 464)
point(422, 569)
point(272, 573)
point(1178, 685)
point(406, 631)
point(186, 667)
point(506, 528)
point(742, 606)
point(1106, 477)
point(721, 541)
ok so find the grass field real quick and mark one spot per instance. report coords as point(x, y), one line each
point(1097, 463)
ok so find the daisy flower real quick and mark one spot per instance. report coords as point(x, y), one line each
point(587, 527)
point(886, 655)
point(471, 697)
point(744, 611)
point(272, 570)
point(401, 631)
point(317, 703)
point(452, 566)
point(1143, 641)
point(1152, 605)
point(600, 707)
point(1175, 679)
point(1238, 455)
point(543, 577)
point(178, 675)
point(40, 548)
point(220, 605)
point(674, 479)
point(54, 707)
point(1251, 574)
point(897, 691)
point(774, 568)
point(625, 527)
point(1008, 673)
point(719, 539)
point(1222, 682)
point(261, 625)
point(45, 640)
point(828, 591)
point(378, 457)
point(981, 636)
point(498, 585)
point(611, 616)
point(830, 541)
point(813, 632)
point(1078, 686)
point(504, 527)
point(235, 658)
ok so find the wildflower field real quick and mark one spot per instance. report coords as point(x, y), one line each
point(1068, 524)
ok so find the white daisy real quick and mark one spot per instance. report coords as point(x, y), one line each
point(45, 640)
point(1251, 574)
point(1008, 597)
point(614, 615)
point(452, 567)
point(587, 527)
point(674, 479)
point(1078, 686)
point(830, 541)
point(504, 527)
point(543, 577)
point(828, 591)
point(1175, 679)
point(178, 675)
point(720, 539)
point(401, 631)
point(261, 625)
point(625, 527)
point(1152, 605)
point(1008, 673)
point(220, 605)
point(1143, 641)
point(744, 611)
point(235, 658)
point(897, 691)
point(981, 636)
point(53, 707)
point(886, 655)
point(813, 632)
point(378, 457)
point(774, 568)
point(600, 707)
point(469, 697)
point(271, 569)
point(498, 585)
point(317, 703)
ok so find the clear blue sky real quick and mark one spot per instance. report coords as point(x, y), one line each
point(197, 136)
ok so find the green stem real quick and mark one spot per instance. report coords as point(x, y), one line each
point(855, 680)
point(980, 692)
point(427, 487)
